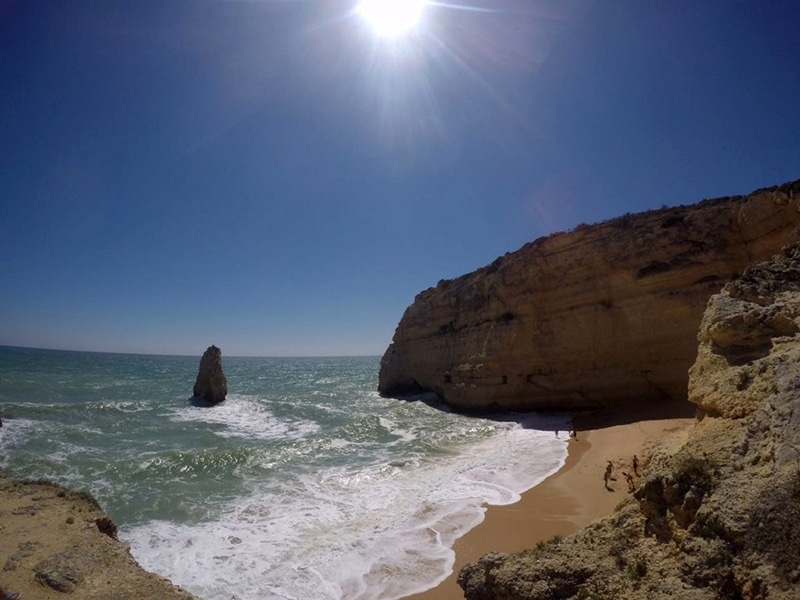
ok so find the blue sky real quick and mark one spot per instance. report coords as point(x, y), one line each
point(272, 177)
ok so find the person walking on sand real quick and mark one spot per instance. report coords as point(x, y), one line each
point(6, 594)
point(607, 475)
point(635, 465)
point(629, 479)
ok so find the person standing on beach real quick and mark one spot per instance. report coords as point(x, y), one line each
point(6, 594)
point(635, 465)
point(573, 433)
point(629, 479)
point(607, 474)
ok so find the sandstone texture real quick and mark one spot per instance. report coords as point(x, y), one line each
point(211, 384)
point(717, 514)
point(603, 314)
point(57, 544)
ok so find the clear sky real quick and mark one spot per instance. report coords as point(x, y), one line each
point(278, 178)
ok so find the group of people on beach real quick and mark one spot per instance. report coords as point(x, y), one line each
point(609, 473)
point(607, 476)
point(573, 432)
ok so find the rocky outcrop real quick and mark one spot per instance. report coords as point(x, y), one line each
point(211, 384)
point(603, 314)
point(749, 320)
point(59, 543)
point(717, 515)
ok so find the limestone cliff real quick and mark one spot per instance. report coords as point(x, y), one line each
point(603, 314)
point(717, 515)
point(55, 543)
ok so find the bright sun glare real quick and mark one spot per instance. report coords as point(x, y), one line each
point(391, 18)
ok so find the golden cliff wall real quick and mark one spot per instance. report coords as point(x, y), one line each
point(716, 514)
point(604, 314)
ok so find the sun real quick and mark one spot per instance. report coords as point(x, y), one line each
point(391, 18)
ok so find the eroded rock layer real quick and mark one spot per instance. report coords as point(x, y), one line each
point(56, 543)
point(211, 384)
point(600, 315)
point(718, 512)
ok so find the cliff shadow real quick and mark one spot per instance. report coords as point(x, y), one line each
point(624, 413)
point(630, 412)
point(541, 420)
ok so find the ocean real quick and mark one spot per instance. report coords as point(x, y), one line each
point(304, 484)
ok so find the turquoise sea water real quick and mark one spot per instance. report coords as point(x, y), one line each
point(303, 484)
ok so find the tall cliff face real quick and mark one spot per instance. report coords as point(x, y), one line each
point(604, 314)
point(718, 512)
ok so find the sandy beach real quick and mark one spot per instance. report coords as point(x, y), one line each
point(43, 524)
point(577, 494)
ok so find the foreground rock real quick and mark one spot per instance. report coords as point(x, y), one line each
point(55, 543)
point(604, 314)
point(718, 512)
point(211, 384)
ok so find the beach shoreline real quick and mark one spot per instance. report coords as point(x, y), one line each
point(576, 494)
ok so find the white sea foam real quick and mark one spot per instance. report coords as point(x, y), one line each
point(307, 485)
point(245, 416)
point(404, 435)
point(377, 531)
point(126, 406)
point(53, 464)
point(14, 432)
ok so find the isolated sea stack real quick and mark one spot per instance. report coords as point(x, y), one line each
point(211, 384)
point(601, 315)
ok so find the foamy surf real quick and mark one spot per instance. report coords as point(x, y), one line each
point(303, 484)
point(246, 416)
point(379, 531)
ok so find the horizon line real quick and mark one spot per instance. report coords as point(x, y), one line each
point(15, 347)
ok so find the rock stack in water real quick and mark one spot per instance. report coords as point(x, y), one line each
point(211, 384)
